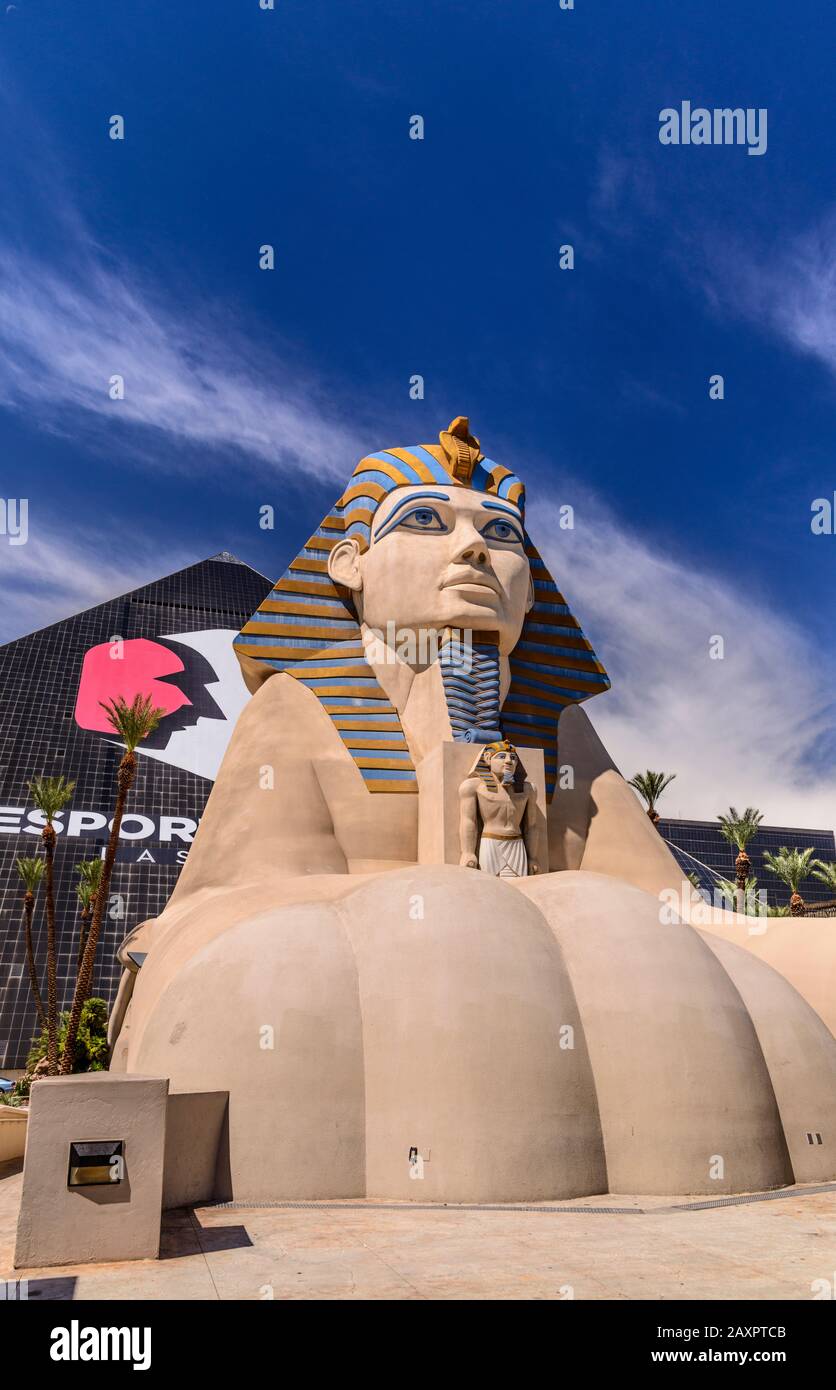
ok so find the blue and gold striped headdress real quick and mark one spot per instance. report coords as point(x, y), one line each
point(308, 626)
point(482, 764)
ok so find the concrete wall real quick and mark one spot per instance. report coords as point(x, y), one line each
point(196, 1148)
point(13, 1122)
point(118, 1221)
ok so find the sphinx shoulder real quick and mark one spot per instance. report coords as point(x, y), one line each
point(283, 695)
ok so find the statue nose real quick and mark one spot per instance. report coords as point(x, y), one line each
point(476, 554)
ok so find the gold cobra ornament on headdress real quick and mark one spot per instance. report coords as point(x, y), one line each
point(462, 449)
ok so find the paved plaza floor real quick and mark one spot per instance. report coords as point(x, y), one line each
point(648, 1248)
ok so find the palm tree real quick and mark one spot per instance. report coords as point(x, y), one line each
point(89, 883)
point(748, 901)
point(825, 873)
point(792, 866)
point(50, 795)
point(650, 786)
point(31, 871)
point(132, 722)
point(739, 831)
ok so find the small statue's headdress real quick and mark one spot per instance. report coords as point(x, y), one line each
point(482, 765)
point(308, 626)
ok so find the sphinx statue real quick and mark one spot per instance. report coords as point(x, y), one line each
point(377, 1007)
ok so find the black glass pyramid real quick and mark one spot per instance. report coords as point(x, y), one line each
point(171, 639)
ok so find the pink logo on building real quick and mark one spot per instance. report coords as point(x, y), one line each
point(130, 668)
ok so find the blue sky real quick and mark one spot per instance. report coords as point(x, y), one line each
point(440, 257)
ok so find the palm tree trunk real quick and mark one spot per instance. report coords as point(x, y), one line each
point(51, 960)
point(653, 814)
point(86, 939)
point(82, 941)
point(84, 980)
point(28, 910)
point(743, 868)
point(797, 905)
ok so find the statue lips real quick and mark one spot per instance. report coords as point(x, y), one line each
point(475, 587)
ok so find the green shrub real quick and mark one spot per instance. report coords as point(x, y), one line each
point(91, 1050)
point(16, 1097)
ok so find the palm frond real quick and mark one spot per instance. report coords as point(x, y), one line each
point(650, 785)
point(750, 902)
point(50, 795)
point(791, 865)
point(31, 871)
point(90, 872)
point(135, 721)
point(825, 873)
point(738, 829)
point(86, 893)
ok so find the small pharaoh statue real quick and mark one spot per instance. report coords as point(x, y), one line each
point(497, 793)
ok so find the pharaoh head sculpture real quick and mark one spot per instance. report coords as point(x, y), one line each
point(499, 764)
point(429, 537)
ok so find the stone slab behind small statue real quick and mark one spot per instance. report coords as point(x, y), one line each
point(440, 776)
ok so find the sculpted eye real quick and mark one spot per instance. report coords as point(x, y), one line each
point(502, 531)
point(423, 519)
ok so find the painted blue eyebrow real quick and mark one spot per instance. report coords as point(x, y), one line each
point(498, 507)
point(416, 497)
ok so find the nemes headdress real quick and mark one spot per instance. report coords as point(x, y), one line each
point(482, 764)
point(308, 626)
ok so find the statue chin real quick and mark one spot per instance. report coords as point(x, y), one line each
point(390, 1024)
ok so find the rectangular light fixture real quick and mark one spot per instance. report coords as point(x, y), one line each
point(95, 1161)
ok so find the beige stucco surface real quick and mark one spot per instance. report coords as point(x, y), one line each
point(428, 1007)
point(13, 1122)
point(801, 949)
point(118, 1221)
point(680, 1077)
point(194, 1169)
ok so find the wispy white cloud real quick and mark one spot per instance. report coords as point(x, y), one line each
point(52, 576)
point(191, 375)
point(623, 190)
point(785, 285)
point(800, 293)
point(755, 728)
point(196, 373)
point(790, 292)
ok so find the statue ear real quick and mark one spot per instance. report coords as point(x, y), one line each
point(530, 603)
point(344, 564)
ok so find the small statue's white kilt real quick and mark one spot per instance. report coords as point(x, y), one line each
point(503, 858)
